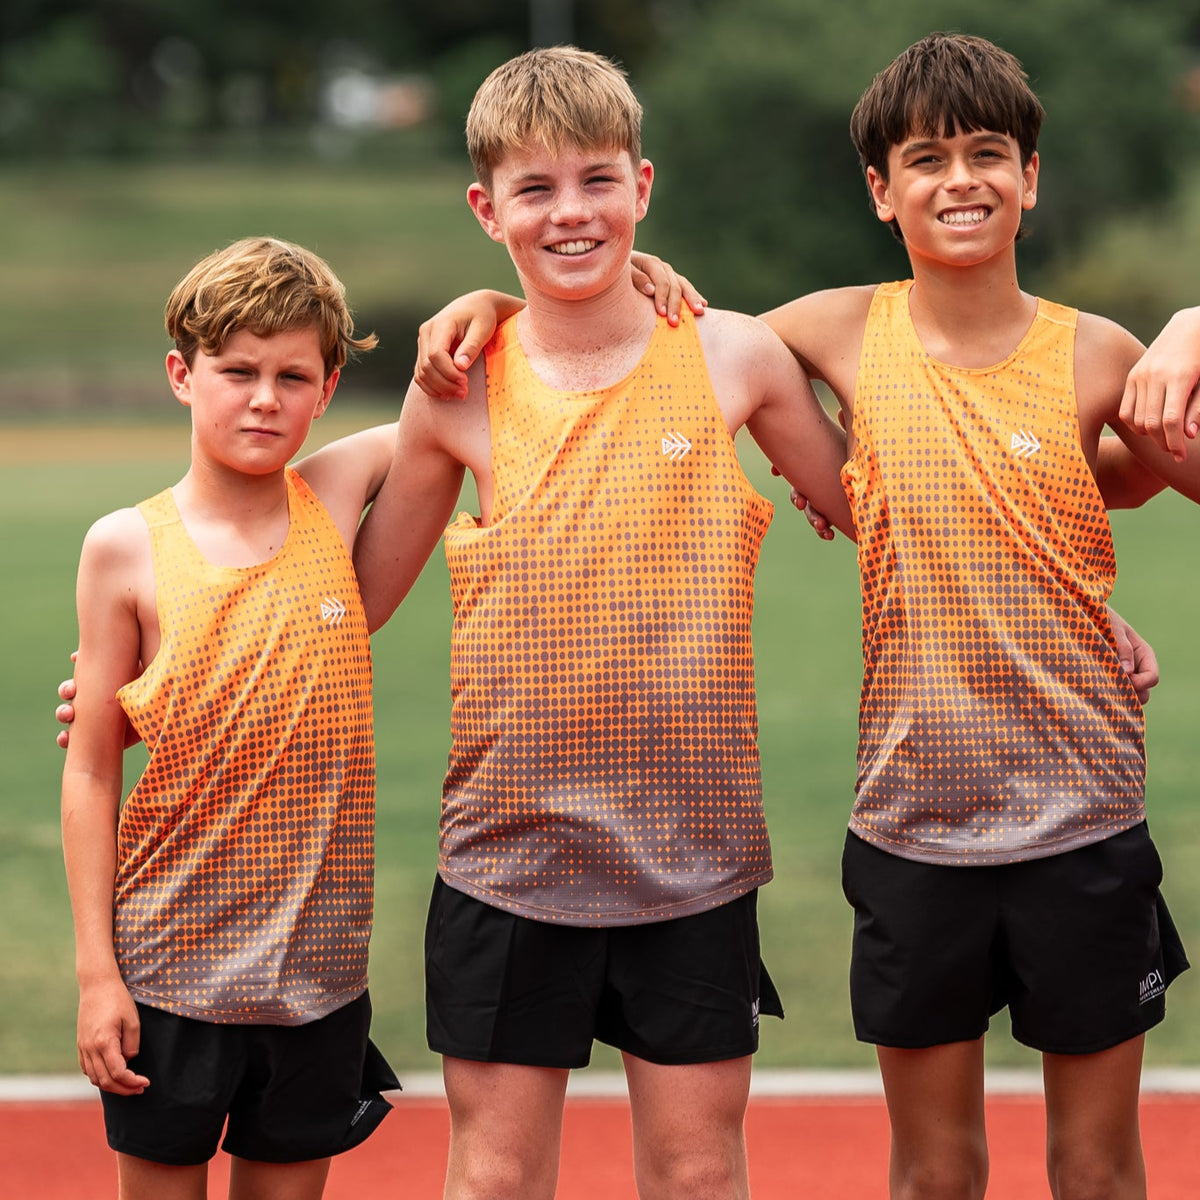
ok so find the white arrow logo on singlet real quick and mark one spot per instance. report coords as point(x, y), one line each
point(332, 610)
point(1024, 445)
point(675, 446)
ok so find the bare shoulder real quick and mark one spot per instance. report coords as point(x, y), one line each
point(118, 540)
point(1105, 352)
point(735, 338)
point(824, 330)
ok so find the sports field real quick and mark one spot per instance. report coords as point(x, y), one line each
point(56, 478)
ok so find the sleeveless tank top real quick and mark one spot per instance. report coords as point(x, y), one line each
point(996, 722)
point(604, 765)
point(245, 850)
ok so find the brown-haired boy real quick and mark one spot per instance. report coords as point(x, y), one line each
point(998, 852)
point(222, 912)
point(602, 834)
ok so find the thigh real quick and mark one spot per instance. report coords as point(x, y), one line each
point(1093, 1144)
point(1092, 947)
point(502, 988)
point(935, 1101)
point(308, 1091)
point(689, 1127)
point(505, 1128)
point(688, 990)
point(923, 961)
point(194, 1068)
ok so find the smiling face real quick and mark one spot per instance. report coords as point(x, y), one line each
point(566, 218)
point(957, 199)
point(254, 400)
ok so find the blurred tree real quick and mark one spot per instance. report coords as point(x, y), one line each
point(759, 195)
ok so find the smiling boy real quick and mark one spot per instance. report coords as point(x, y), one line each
point(602, 834)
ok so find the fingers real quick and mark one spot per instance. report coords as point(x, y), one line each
point(104, 1062)
point(1164, 406)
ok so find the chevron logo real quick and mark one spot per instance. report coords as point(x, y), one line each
point(1024, 445)
point(675, 446)
point(332, 610)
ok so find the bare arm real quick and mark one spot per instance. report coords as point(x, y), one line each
point(1124, 482)
point(346, 475)
point(1105, 354)
point(759, 384)
point(415, 502)
point(110, 647)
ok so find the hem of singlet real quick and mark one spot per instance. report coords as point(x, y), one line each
point(331, 1003)
point(972, 857)
point(666, 912)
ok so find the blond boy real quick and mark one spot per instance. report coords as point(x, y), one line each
point(602, 838)
point(222, 912)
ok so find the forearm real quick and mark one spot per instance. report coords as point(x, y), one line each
point(89, 811)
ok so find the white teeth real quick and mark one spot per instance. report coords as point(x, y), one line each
point(964, 218)
point(573, 247)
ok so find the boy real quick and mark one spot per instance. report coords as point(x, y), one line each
point(997, 731)
point(222, 915)
point(602, 836)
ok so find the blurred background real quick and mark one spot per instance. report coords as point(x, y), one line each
point(138, 135)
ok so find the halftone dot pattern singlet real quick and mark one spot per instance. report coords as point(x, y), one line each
point(996, 722)
point(245, 851)
point(604, 767)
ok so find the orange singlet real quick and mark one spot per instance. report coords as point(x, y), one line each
point(604, 768)
point(245, 851)
point(996, 722)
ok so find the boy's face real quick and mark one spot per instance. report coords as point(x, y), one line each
point(958, 200)
point(567, 219)
point(253, 402)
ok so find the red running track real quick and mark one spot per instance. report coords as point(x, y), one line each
point(818, 1148)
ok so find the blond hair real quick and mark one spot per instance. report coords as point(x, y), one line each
point(266, 286)
point(555, 97)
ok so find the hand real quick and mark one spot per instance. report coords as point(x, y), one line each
point(670, 289)
point(1136, 654)
point(1161, 399)
point(450, 341)
point(820, 525)
point(109, 1033)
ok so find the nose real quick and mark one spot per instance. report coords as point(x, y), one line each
point(263, 398)
point(571, 207)
point(959, 175)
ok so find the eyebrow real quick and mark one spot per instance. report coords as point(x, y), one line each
point(978, 137)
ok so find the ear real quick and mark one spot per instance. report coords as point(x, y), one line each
point(878, 187)
point(485, 211)
point(179, 375)
point(1029, 180)
point(330, 386)
point(645, 181)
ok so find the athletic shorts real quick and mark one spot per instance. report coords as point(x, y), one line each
point(291, 1093)
point(1079, 946)
point(505, 988)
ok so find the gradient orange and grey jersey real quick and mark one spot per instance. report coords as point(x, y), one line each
point(245, 851)
point(996, 722)
point(604, 767)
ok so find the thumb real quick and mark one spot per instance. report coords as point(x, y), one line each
point(473, 341)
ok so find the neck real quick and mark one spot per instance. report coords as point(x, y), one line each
point(579, 345)
point(970, 316)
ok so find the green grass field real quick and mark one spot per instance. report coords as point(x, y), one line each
point(56, 479)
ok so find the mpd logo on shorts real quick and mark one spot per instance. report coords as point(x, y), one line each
point(1153, 985)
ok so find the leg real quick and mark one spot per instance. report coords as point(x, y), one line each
point(505, 1130)
point(689, 1138)
point(141, 1179)
point(249, 1180)
point(935, 1105)
point(1093, 1144)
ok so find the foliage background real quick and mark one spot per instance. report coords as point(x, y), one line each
point(137, 135)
